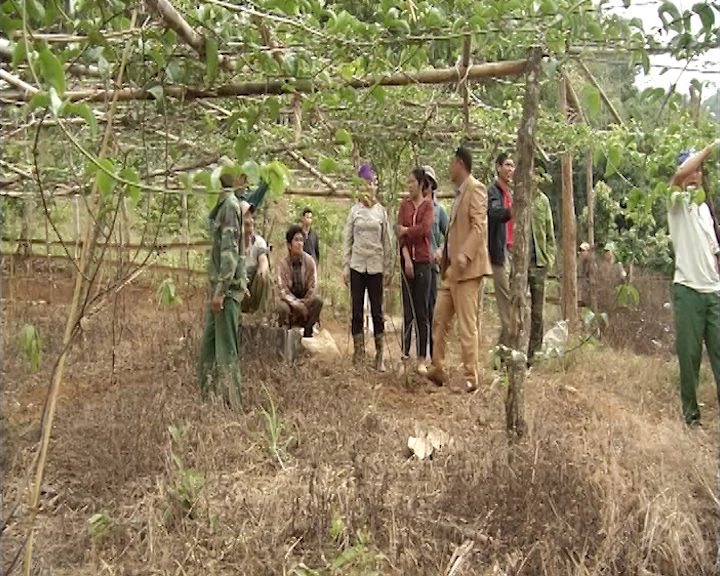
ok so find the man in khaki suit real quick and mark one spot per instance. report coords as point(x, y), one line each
point(465, 262)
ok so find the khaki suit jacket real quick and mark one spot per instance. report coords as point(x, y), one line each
point(467, 234)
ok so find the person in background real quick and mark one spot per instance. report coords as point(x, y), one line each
point(437, 238)
point(415, 217)
point(257, 268)
point(298, 303)
point(500, 239)
point(696, 284)
point(587, 260)
point(227, 281)
point(464, 264)
point(609, 268)
point(367, 265)
point(542, 258)
point(311, 242)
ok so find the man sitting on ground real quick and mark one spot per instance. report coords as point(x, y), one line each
point(257, 269)
point(298, 304)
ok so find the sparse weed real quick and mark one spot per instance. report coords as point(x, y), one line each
point(99, 526)
point(166, 293)
point(276, 439)
point(30, 346)
point(188, 483)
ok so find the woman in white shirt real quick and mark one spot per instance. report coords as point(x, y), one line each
point(367, 265)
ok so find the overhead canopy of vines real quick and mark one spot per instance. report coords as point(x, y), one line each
point(299, 91)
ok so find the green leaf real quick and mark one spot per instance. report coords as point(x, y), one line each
point(215, 179)
point(52, 70)
point(707, 16)
point(105, 182)
point(668, 7)
point(342, 136)
point(591, 99)
point(645, 61)
point(36, 11)
point(157, 92)
point(327, 165)
point(345, 558)
point(276, 174)
point(613, 160)
point(251, 171)
point(242, 144)
point(548, 7)
point(133, 192)
point(699, 196)
point(379, 94)
point(273, 108)
point(56, 103)
point(211, 59)
point(19, 54)
point(39, 100)
point(84, 111)
point(594, 29)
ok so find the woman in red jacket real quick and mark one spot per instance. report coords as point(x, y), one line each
point(415, 218)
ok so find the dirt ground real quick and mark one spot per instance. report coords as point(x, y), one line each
point(313, 476)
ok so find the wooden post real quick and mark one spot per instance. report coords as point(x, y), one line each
point(467, 49)
point(522, 205)
point(76, 224)
point(185, 254)
point(590, 195)
point(570, 307)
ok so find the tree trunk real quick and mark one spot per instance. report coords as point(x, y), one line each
point(522, 203)
point(569, 225)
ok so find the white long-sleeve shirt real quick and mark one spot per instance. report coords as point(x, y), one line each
point(695, 244)
point(366, 242)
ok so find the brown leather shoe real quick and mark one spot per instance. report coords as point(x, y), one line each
point(437, 376)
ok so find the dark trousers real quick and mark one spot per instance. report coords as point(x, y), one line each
point(434, 274)
point(415, 298)
point(697, 319)
point(373, 283)
point(536, 279)
point(219, 353)
point(289, 317)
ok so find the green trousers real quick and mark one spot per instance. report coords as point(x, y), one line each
point(259, 296)
point(219, 353)
point(697, 319)
point(536, 280)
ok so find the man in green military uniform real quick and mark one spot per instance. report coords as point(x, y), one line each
point(227, 283)
point(542, 257)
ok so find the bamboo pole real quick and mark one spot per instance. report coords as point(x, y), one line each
point(185, 254)
point(522, 206)
point(18, 83)
point(312, 170)
point(76, 224)
point(173, 20)
point(603, 95)
point(590, 200)
point(51, 404)
point(568, 223)
point(258, 88)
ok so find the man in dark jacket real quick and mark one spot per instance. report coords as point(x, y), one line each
point(500, 239)
point(311, 242)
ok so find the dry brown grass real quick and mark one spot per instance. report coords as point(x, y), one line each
point(608, 481)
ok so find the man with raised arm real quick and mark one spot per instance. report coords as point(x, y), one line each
point(226, 287)
point(696, 285)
